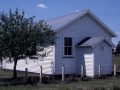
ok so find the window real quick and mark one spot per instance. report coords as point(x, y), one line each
point(68, 46)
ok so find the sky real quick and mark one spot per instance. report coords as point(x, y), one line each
point(108, 11)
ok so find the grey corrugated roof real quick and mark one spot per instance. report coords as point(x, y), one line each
point(93, 41)
point(60, 21)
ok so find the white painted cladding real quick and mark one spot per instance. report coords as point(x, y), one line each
point(33, 65)
point(84, 56)
point(89, 64)
point(104, 58)
point(48, 64)
point(92, 57)
point(79, 29)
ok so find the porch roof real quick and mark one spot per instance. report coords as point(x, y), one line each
point(93, 41)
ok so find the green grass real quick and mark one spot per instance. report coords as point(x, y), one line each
point(8, 74)
point(93, 84)
point(79, 85)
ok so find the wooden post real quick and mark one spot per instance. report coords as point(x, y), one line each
point(82, 71)
point(4, 65)
point(63, 73)
point(26, 73)
point(40, 74)
point(114, 70)
point(99, 70)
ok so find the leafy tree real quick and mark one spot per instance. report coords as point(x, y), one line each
point(19, 36)
point(118, 48)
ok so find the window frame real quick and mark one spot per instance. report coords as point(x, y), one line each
point(72, 50)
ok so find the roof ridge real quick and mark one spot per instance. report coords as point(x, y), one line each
point(66, 15)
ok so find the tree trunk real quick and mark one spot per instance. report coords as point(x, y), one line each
point(14, 70)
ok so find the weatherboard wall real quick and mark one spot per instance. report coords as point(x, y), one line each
point(79, 29)
point(85, 57)
point(104, 58)
point(33, 64)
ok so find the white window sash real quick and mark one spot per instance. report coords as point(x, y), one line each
point(68, 46)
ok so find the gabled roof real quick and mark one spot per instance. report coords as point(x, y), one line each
point(60, 22)
point(93, 41)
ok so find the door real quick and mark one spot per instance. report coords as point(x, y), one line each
point(89, 64)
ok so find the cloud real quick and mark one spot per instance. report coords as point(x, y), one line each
point(118, 33)
point(42, 5)
point(77, 11)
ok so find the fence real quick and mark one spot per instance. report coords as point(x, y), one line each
point(63, 72)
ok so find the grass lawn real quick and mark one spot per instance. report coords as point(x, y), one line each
point(92, 84)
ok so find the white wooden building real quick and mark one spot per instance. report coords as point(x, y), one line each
point(83, 39)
